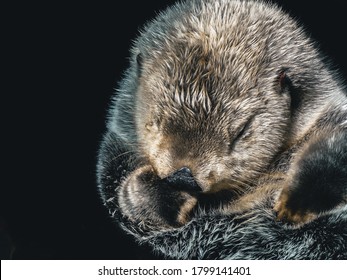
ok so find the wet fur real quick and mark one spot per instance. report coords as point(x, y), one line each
point(257, 116)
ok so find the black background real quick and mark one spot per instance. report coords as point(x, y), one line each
point(62, 63)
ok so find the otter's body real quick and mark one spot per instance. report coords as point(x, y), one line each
point(227, 119)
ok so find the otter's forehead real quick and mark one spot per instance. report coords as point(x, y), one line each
point(201, 77)
point(205, 52)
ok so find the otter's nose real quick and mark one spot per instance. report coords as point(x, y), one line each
point(183, 172)
point(183, 178)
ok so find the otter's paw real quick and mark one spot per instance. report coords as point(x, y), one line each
point(289, 213)
point(146, 199)
point(318, 180)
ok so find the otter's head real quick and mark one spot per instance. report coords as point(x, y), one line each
point(215, 97)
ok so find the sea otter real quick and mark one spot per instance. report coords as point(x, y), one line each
point(226, 105)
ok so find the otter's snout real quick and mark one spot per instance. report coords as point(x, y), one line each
point(183, 178)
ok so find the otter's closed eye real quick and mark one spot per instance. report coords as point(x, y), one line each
point(241, 133)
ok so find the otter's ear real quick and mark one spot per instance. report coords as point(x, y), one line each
point(285, 85)
point(139, 62)
point(283, 81)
